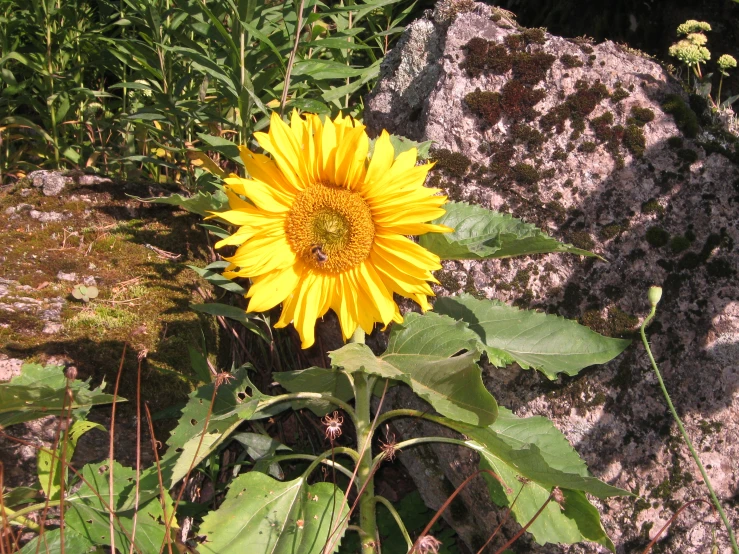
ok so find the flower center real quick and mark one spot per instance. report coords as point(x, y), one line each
point(330, 228)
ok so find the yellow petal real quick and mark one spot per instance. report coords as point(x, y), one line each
point(270, 289)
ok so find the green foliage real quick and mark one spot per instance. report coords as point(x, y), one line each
point(480, 233)
point(547, 343)
point(262, 515)
point(421, 354)
point(136, 86)
point(84, 293)
point(40, 391)
point(533, 449)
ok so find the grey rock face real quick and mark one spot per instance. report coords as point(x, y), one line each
point(594, 159)
point(51, 182)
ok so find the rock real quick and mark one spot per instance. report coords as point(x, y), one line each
point(66, 276)
point(51, 182)
point(46, 217)
point(9, 367)
point(583, 142)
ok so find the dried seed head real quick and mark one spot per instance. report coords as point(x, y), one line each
point(333, 425)
point(223, 377)
point(71, 373)
point(428, 544)
point(558, 497)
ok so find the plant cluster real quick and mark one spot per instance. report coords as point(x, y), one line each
point(139, 87)
point(692, 51)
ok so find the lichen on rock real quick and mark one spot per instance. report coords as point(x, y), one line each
point(602, 154)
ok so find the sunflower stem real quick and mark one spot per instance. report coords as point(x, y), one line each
point(358, 336)
point(365, 475)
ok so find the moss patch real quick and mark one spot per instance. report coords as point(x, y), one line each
point(454, 163)
point(576, 107)
point(485, 105)
point(144, 298)
point(685, 118)
point(657, 237)
point(570, 61)
point(640, 116)
point(525, 174)
point(635, 141)
point(518, 101)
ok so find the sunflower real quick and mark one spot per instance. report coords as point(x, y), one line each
point(322, 227)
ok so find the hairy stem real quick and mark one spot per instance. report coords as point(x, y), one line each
point(365, 479)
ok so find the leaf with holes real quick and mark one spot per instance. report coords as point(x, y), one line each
point(262, 515)
point(39, 391)
point(316, 379)
point(190, 443)
point(548, 343)
point(87, 510)
point(436, 356)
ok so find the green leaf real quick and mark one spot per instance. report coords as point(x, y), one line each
point(87, 510)
point(235, 401)
point(201, 203)
point(218, 279)
point(222, 146)
point(320, 380)
point(199, 364)
point(232, 312)
point(262, 515)
point(39, 391)
point(50, 462)
point(533, 449)
point(325, 69)
point(480, 233)
point(51, 543)
point(548, 343)
point(424, 353)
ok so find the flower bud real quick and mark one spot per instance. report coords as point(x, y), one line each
point(71, 373)
point(655, 294)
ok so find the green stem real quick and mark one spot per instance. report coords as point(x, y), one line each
point(305, 396)
point(20, 514)
point(683, 432)
point(396, 516)
point(322, 459)
point(718, 96)
point(422, 440)
point(365, 478)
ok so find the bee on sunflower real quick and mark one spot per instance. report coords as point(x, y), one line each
point(321, 226)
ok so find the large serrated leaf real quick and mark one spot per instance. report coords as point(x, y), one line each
point(201, 203)
point(51, 543)
point(480, 233)
point(235, 401)
point(425, 352)
point(263, 516)
point(49, 463)
point(316, 379)
point(88, 515)
point(533, 449)
point(39, 391)
point(548, 343)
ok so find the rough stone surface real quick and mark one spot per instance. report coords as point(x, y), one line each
point(665, 216)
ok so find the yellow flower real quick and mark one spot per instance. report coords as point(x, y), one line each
point(321, 227)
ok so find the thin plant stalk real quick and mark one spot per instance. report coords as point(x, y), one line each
point(672, 520)
point(291, 59)
point(111, 453)
point(162, 498)
point(683, 432)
